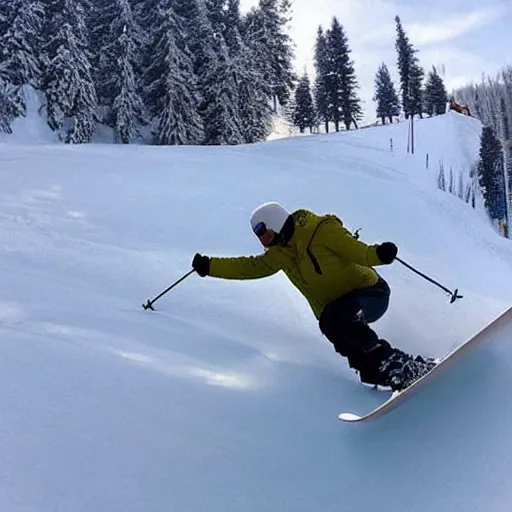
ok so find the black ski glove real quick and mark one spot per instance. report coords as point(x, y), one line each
point(201, 264)
point(387, 252)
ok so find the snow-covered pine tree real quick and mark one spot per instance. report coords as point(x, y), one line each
point(476, 104)
point(435, 96)
point(304, 115)
point(67, 80)
point(253, 91)
point(321, 59)
point(119, 39)
point(342, 85)
point(3, 15)
point(200, 39)
point(215, 10)
point(385, 95)
point(20, 31)
point(254, 109)
point(269, 31)
point(490, 174)
point(6, 107)
point(411, 73)
point(221, 100)
point(233, 26)
point(19, 42)
point(199, 34)
point(170, 92)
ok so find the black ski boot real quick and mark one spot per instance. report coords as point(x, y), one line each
point(370, 373)
point(402, 369)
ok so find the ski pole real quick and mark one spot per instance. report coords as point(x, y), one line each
point(454, 294)
point(149, 304)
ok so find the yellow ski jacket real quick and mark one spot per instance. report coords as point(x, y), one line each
point(322, 259)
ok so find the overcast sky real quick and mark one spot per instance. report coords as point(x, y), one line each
point(462, 38)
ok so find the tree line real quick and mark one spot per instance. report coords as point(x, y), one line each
point(184, 71)
point(491, 102)
point(333, 98)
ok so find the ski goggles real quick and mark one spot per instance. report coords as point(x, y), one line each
point(260, 229)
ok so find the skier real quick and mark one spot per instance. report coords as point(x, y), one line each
point(334, 271)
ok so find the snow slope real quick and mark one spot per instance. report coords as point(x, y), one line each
point(226, 398)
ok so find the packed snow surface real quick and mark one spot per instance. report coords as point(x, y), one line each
point(226, 397)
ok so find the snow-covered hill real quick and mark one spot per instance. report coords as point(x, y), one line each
point(226, 398)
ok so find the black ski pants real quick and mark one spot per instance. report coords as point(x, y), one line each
point(345, 323)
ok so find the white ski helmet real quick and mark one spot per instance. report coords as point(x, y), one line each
point(272, 214)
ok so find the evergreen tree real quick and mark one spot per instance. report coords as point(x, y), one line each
point(20, 28)
point(435, 94)
point(67, 80)
point(344, 104)
point(19, 43)
point(385, 95)
point(119, 38)
point(321, 80)
point(7, 110)
point(254, 109)
point(411, 73)
point(490, 174)
point(216, 14)
point(170, 85)
point(403, 47)
point(3, 15)
point(415, 97)
point(269, 30)
point(199, 34)
point(332, 79)
point(203, 41)
point(304, 114)
point(220, 102)
point(491, 102)
point(253, 97)
point(233, 26)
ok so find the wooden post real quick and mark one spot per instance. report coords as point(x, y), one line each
point(409, 138)
point(508, 198)
point(412, 134)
